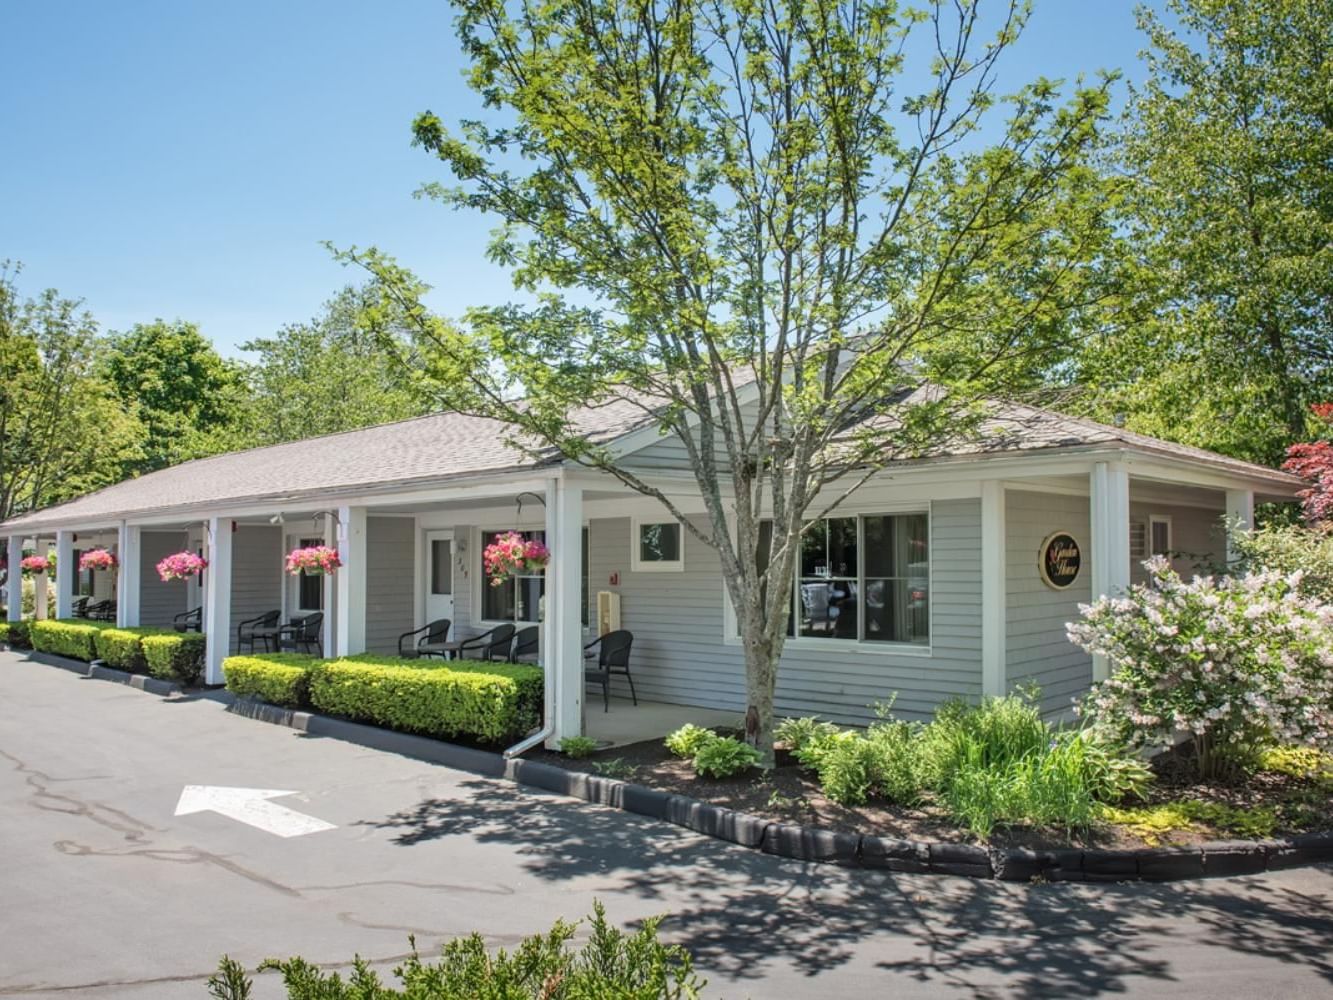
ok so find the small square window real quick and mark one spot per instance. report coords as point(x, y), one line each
point(1160, 531)
point(657, 545)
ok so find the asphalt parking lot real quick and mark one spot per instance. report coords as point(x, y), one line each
point(107, 893)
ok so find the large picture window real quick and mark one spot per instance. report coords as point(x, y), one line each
point(864, 578)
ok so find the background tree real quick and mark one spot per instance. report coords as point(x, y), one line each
point(330, 374)
point(789, 245)
point(63, 432)
point(187, 397)
point(1224, 332)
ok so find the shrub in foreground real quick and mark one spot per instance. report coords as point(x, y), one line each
point(15, 634)
point(612, 964)
point(175, 656)
point(121, 648)
point(277, 678)
point(1236, 664)
point(75, 639)
point(487, 702)
point(578, 747)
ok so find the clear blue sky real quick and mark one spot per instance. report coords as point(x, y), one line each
point(184, 159)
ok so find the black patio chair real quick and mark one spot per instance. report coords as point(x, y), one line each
point(492, 645)
point(79, 609)
point(303, 634)
point(189, 621)
point(102, 611)
point(419, 639)
point(612, 652)
point(264, 628)
point(526, 643)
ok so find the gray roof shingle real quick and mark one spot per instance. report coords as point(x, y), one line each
point(442, 446)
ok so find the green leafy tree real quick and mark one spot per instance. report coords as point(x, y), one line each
point(805, 237)
point(1224, 332)
point(331, 374)
point(63, 432)
point(186, 395)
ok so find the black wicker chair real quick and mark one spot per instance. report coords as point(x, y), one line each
point(189, 621)
point(303, 634)
point(264, 628)
point(79, 609)
point(612, 658)
point(492, 645)
point(410, 643)
point(526, 644)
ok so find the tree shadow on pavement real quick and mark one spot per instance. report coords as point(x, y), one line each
point(738, 910)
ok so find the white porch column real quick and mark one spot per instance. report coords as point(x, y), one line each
point(217, 599)
point(14, 579)
point(1240, 517)
point(1110, 540)
point(40, 585)
point(127, 575)
point(563, 620)
point(66, 574)
point(993, 591)
point(350, 602)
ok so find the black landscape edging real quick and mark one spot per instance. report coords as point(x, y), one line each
point(788, 840)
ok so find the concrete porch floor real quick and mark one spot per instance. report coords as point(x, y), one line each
point(626, 723)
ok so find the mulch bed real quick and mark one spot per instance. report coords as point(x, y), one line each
point(791, 794)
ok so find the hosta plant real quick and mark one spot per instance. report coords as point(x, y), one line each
point(724, 757)
point(686, 741)
point(1235, 664)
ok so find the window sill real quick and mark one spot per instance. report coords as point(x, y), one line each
point(854, 646)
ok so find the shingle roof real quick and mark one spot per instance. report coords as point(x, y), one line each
point(426, 449)
point(442, 446)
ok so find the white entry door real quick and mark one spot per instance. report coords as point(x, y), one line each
point(439, 575)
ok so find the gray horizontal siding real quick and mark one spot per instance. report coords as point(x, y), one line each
point(680, 657)
point(1197, 535)
point(256, 573)
point(390, 573)
point(1036, 649)
point(159, 602)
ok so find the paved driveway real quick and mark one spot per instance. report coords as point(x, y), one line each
point(105, 893)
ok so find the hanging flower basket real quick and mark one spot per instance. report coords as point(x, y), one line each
point(181, 566)
point(34, 564)
point(512, 555)
point(316, 560)
point(97, 559)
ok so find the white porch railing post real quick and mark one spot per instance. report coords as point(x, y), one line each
point(14, 579)
point(66, 574)
point(40, 585)
point(350, 602)
point(127, 576)
point(1240, 517)
point(1109, 488)
point(564, 638)
point(993, 599)
point(217, 599)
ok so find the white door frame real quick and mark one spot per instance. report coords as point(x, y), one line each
point(432, 605)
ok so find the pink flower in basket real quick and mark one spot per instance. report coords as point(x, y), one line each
point(512, 555)
point(97, 559)
point(34, 564)
point(181, 566)
point(317, 559)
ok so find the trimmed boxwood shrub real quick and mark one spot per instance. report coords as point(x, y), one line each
point(277, 678)
point(175, 656)
point(75, 639)
point(121, 648)
point(487, 702)
point(15, 635)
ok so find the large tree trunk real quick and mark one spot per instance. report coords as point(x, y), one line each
point(761, 671)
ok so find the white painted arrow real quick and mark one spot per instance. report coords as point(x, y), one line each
point(252, 806)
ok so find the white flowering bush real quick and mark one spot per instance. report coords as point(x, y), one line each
point(1237, 663)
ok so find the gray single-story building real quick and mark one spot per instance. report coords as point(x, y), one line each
point(941, 577)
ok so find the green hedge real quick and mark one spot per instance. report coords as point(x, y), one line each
point(75, 639)
point(277, 678)
point(487, 702)
point(121, 648)
point(175, 656)
point(15, 635)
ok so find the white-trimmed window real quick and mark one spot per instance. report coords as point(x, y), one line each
point(863, 578)
point(656, 546)
point(518, 599)
point(309, 586)
point(1159, 534)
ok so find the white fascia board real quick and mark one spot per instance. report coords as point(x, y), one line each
point(1186, 471)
